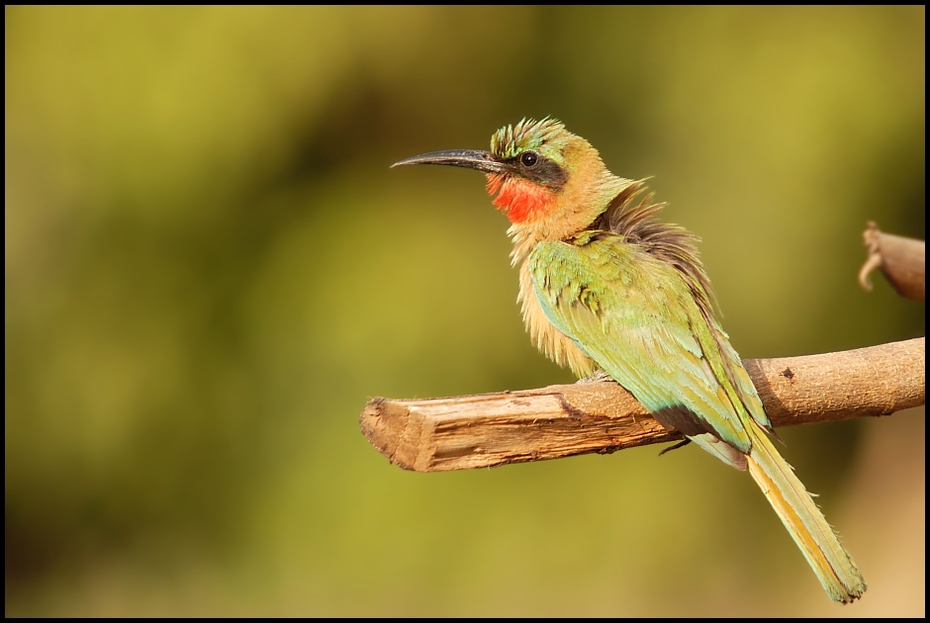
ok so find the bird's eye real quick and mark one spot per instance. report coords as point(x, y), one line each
point(529, 159)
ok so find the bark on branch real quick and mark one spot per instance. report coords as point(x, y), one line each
point(485, 430)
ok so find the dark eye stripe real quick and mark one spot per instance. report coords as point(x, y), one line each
point(543, 171)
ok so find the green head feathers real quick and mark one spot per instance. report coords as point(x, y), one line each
point(528, 135)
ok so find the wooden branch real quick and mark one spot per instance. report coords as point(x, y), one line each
point(485, 430)
point(901, 260)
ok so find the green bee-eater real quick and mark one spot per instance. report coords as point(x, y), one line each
point(604, 286)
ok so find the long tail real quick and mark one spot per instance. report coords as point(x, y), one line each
point(808, 527)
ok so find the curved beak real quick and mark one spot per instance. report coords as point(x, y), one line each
point(468, 158)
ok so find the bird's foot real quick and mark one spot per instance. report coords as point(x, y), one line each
point(598, 377)
point(680, 444)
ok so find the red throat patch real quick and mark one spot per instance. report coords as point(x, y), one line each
point(521, 200)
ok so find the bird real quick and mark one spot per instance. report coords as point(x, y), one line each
point(606, 288)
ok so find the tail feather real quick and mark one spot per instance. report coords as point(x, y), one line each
point(808, 527)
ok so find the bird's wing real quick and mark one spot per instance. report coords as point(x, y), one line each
point(739, 378)
point(635, 316)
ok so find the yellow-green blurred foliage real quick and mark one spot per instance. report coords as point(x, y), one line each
point(210, 269)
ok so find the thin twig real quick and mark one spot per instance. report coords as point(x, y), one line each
point(901, 260)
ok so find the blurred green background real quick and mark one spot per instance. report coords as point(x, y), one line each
point(210, 269)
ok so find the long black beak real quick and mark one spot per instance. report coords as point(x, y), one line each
point(468, 158)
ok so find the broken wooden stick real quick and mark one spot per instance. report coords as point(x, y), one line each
point(485, 430)
point(901, 260)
